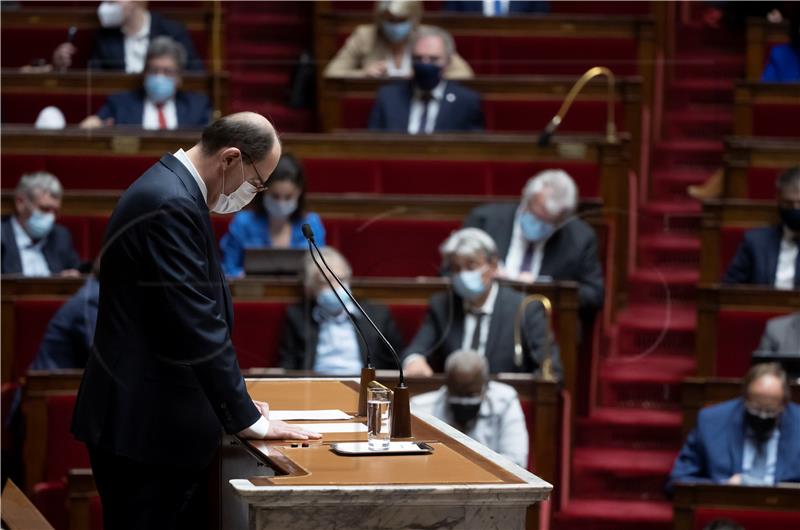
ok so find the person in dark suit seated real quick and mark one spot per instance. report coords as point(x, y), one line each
point(427, 103)
point(497, 8)
point(751, 440)
point(319, 335)
point(478, 314)
point(781, 335)
point(275, 219)
point(783, 65)
point(127, 29)
point(771, 255)
point(159, 104)
point(541, 237)
point(32, 243)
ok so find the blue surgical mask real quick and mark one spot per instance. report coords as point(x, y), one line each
point(469, 284)
point(327, 300)
point(396, 31)
point(278, 209)
point(159, 87)
point(427, 75)
point(40, 224)
point(534, 229)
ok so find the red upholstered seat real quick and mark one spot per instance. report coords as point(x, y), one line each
point(30, 320)
point(439, 177)
point(325, 175)
point(734, 350)
point(256, 331)
point(50, 498)
point(64, 452)
point(761, 182)
point(750, 519)
point(730, 239)
point(79, 172)
point(408, 318)
point(24, 108)
point(776, 120)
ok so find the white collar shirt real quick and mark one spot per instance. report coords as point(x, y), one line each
point(150, 114)
point(471, 321)
point(31, 253)
point(517, 249)
point(418, 106)
point(136, 47)
point(181, 155)
point(787, 260)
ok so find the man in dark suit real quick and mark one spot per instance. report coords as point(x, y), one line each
point(541, 237)
point(497, 8)
point(159, 104)
point(163, 380)
point(771, 255)
point(32, 243)
point(752, 440)
point(319, 335)
point(427, 103)
point(479, 314)
point(127, 28)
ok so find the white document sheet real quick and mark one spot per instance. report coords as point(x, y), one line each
point(328, 428)
point(330, 414)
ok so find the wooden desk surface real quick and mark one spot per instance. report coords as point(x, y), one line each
point(450, 463)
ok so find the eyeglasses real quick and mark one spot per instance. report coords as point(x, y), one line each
point(262, 183)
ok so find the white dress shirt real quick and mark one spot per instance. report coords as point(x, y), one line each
point(404, 70)
point(150, 115)
point(471, 319)
point(261, 426)
point(490, 8)
point(136, 48)
point(787, 258)
point(30, 253)
point(516, 252)
point(750, 447)
point(417, 107)
point(337, 346)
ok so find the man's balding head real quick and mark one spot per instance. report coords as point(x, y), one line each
point(249, 132)
point(466, 372)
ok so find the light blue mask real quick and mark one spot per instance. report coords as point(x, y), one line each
point(279, 209)
point(327, 300)
point(534, 229)
point(159, 87)
point(40, 224)
point(469, 284)
point(396, 31)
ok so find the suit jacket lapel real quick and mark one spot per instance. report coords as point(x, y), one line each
point(736, 438)
point(181, 108)
point(455, 336)
point(495, 324)
point(786, 445)
point(444, 116)
point(12, 258)
point(775, 249)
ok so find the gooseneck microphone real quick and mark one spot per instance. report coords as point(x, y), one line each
point(401, 416)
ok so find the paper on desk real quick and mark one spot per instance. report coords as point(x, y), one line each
point(324, 428)
point(330, 414)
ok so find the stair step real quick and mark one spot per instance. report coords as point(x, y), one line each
point(610, 473)
point(595, 514)
point(656, 286)
point(671, 183)
point(647, 328)
point(630, 428)
point(685, 122)
point(699, 90)
point(264, 51)
point(670, 216)
point(285, 118)
point(664, 251)
point(272, 85)
point(688, 152)
point(700, 63)
point(651, 381)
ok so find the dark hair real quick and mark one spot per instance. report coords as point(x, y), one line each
point(288, 169)
point(254, 141)
point(790, 177)
point(761, 369)
point(723, 524)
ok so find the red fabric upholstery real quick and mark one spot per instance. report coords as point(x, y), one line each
point(50, 498)
point(95, 513)
point(437, 177)
point(78, 172)
point(730, 238)
point(88, 233)
point(408, 318)
point(219, 224)
point(508, 178)
point(601, 8)
point(30, 321)
point(257, 329)
point(324, 175)
point(734, 350)
point(64, 452)
point(391, 247)
point(24, 108)
point(750, 519)
point(776, 120)
point(761, 182)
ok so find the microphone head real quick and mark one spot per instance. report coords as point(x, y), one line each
point(307, 232)
point(544, 138)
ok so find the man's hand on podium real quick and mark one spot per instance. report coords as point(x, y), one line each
point(278, 429)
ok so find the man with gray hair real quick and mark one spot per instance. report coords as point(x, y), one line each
point(487, 411)
point(427, 103)
point(159, 104)
point(319, 335)
point(32, 243)
point(541, 238)
point(478, 314)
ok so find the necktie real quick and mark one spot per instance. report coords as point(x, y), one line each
point(476, 335)
point(797, 265)
point(162, 119)
point(423, 121)
point(758, 470)
point(527, 259)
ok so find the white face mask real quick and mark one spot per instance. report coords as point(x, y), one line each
point(236, 200)
point(110, 14)
point(279, 209)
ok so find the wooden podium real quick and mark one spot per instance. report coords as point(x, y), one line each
point(278, 485)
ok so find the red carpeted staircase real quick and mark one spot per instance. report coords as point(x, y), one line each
point(625, 448)
point(263, 43)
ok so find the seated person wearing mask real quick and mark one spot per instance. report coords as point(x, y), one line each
point(275, 219)
point(319, 335)
point(784, 59)
point(159, 104)
point(427, 103)
point(753, 440)
point(382, 49)
point(497, 8)
point(542, 237)
point(781, 335)
point(32, 243)
point(127, 29)
point(771, 255)
point(487, 411)
point(478, 314)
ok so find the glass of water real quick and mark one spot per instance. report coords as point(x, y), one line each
point(378, 404)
